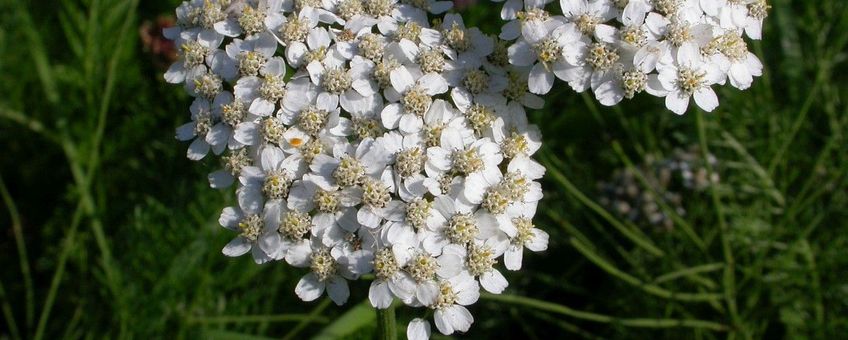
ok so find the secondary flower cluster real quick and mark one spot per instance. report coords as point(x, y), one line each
point(670, 180)
point(365, 139)
point(675, 49)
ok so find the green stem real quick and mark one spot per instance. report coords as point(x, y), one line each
point(386, 323)
point(729, 277)
point(17, 229)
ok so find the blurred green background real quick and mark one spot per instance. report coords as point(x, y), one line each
point(110, 232)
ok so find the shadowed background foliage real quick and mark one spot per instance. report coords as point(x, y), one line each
point(109, 231)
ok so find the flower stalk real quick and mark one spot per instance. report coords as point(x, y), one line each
point(386, 323)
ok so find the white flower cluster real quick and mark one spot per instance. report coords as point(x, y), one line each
point(675, 49)
point(365, 139)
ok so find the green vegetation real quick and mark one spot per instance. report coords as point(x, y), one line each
point(112, 233)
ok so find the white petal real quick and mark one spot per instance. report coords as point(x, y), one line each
point(513, 257)
point(380, 295)
point(237, 247)
point(493, 281)
point(402, 285)
point(541, 80)
point(198, 149)
point(261, 107)
point(418, 329)
point(338, 290)
point(176, 73)
point(309, 288)
point(410, 124)
point(220, 179)
point(299, 254)
point(401, 80)
point(533, 30)
point(229, 28)
point(449, 265)
point(270, 243)
point(391, 115)
point(706, 98)
point(250, 198)
point(368, 218)
point(521, 54)
point(461, 319)
point(246, 133)
point(511, 30)
point(539, 242)
point(427, 292)
point(677, 102)
point(443, 322)
point(186, 131)
point(434, 84)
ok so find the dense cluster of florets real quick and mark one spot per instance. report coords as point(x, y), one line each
point(676, 49)
point(361, 138)
point(386, 137)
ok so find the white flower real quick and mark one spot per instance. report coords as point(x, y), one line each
point(590, 16)
point(547, 54)
point(202, 120)
point(377, 203)
point(315, 49)
point(251, 54)
point(255, 227)
point(517, 91)
point(525, 235)
point(757, 12)
point(411, 99)
point(515, 136)
point(326, 273)
point(468, 46)
point(250, 20)
point(390, 280)
point(350, 165)
point(480, 257)
point(690, 77)
point(272, 180)
point(426, 271)
point(460, 155)
point(233, 162)
point(265, 92)
point(677, 32)
point(733, 58)
point(462, 226)
point(196, 50)
point(334, 212)
point(730, 14)
point(293, 28)
point(232, 112)
point(450, 313)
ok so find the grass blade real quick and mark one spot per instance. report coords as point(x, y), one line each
point(589, 316)
point(647, 287)
point(361, 315)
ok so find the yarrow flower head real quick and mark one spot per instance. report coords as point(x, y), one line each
point(387, 138)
